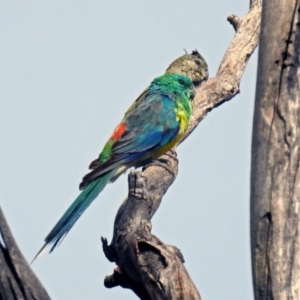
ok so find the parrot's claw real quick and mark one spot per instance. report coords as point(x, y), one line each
point(162, 161)
point(172, 154)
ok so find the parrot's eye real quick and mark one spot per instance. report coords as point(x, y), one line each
point(181, 81)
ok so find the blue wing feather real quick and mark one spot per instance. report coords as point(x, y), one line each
point(149, 127)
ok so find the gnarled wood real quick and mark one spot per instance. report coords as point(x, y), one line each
point(146, 265)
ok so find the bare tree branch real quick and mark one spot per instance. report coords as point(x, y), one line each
point(146, 265)
point(226, 84)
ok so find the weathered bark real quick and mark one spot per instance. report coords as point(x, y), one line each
point(17, 280)
point(150, 268)
point(225, 85)
point(275, 178)
point(146, 265)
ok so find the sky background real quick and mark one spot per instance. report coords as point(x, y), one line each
point(69, 71)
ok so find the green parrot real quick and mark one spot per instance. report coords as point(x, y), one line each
point(152, 126)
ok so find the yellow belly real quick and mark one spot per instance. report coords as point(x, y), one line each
point(161, 151)
point(183, 124)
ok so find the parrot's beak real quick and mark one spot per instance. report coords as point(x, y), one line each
point(192, 95)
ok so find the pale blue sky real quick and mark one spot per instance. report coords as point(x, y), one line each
point(69, 70)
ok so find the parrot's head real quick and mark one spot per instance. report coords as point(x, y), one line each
point(176, 84)
point(191, 65)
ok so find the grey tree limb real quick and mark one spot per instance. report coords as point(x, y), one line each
point(152, 269)
point(226, 84)
point(17, 280)
point(275, 177)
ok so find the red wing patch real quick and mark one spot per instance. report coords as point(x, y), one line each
point(118, 132)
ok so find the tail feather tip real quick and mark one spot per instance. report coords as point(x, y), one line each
point(39, 253)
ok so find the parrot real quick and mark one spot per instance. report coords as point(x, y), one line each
point(148, 130)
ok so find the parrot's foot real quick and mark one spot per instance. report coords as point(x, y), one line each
point(172, 154)
point(164, 162)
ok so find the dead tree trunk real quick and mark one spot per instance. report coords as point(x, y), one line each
point(275, 178)
point(146, 265)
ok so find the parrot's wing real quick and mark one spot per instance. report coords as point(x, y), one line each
point(149, 127)
point(137, 102)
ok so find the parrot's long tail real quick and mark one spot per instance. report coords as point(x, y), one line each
point(69, 218)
